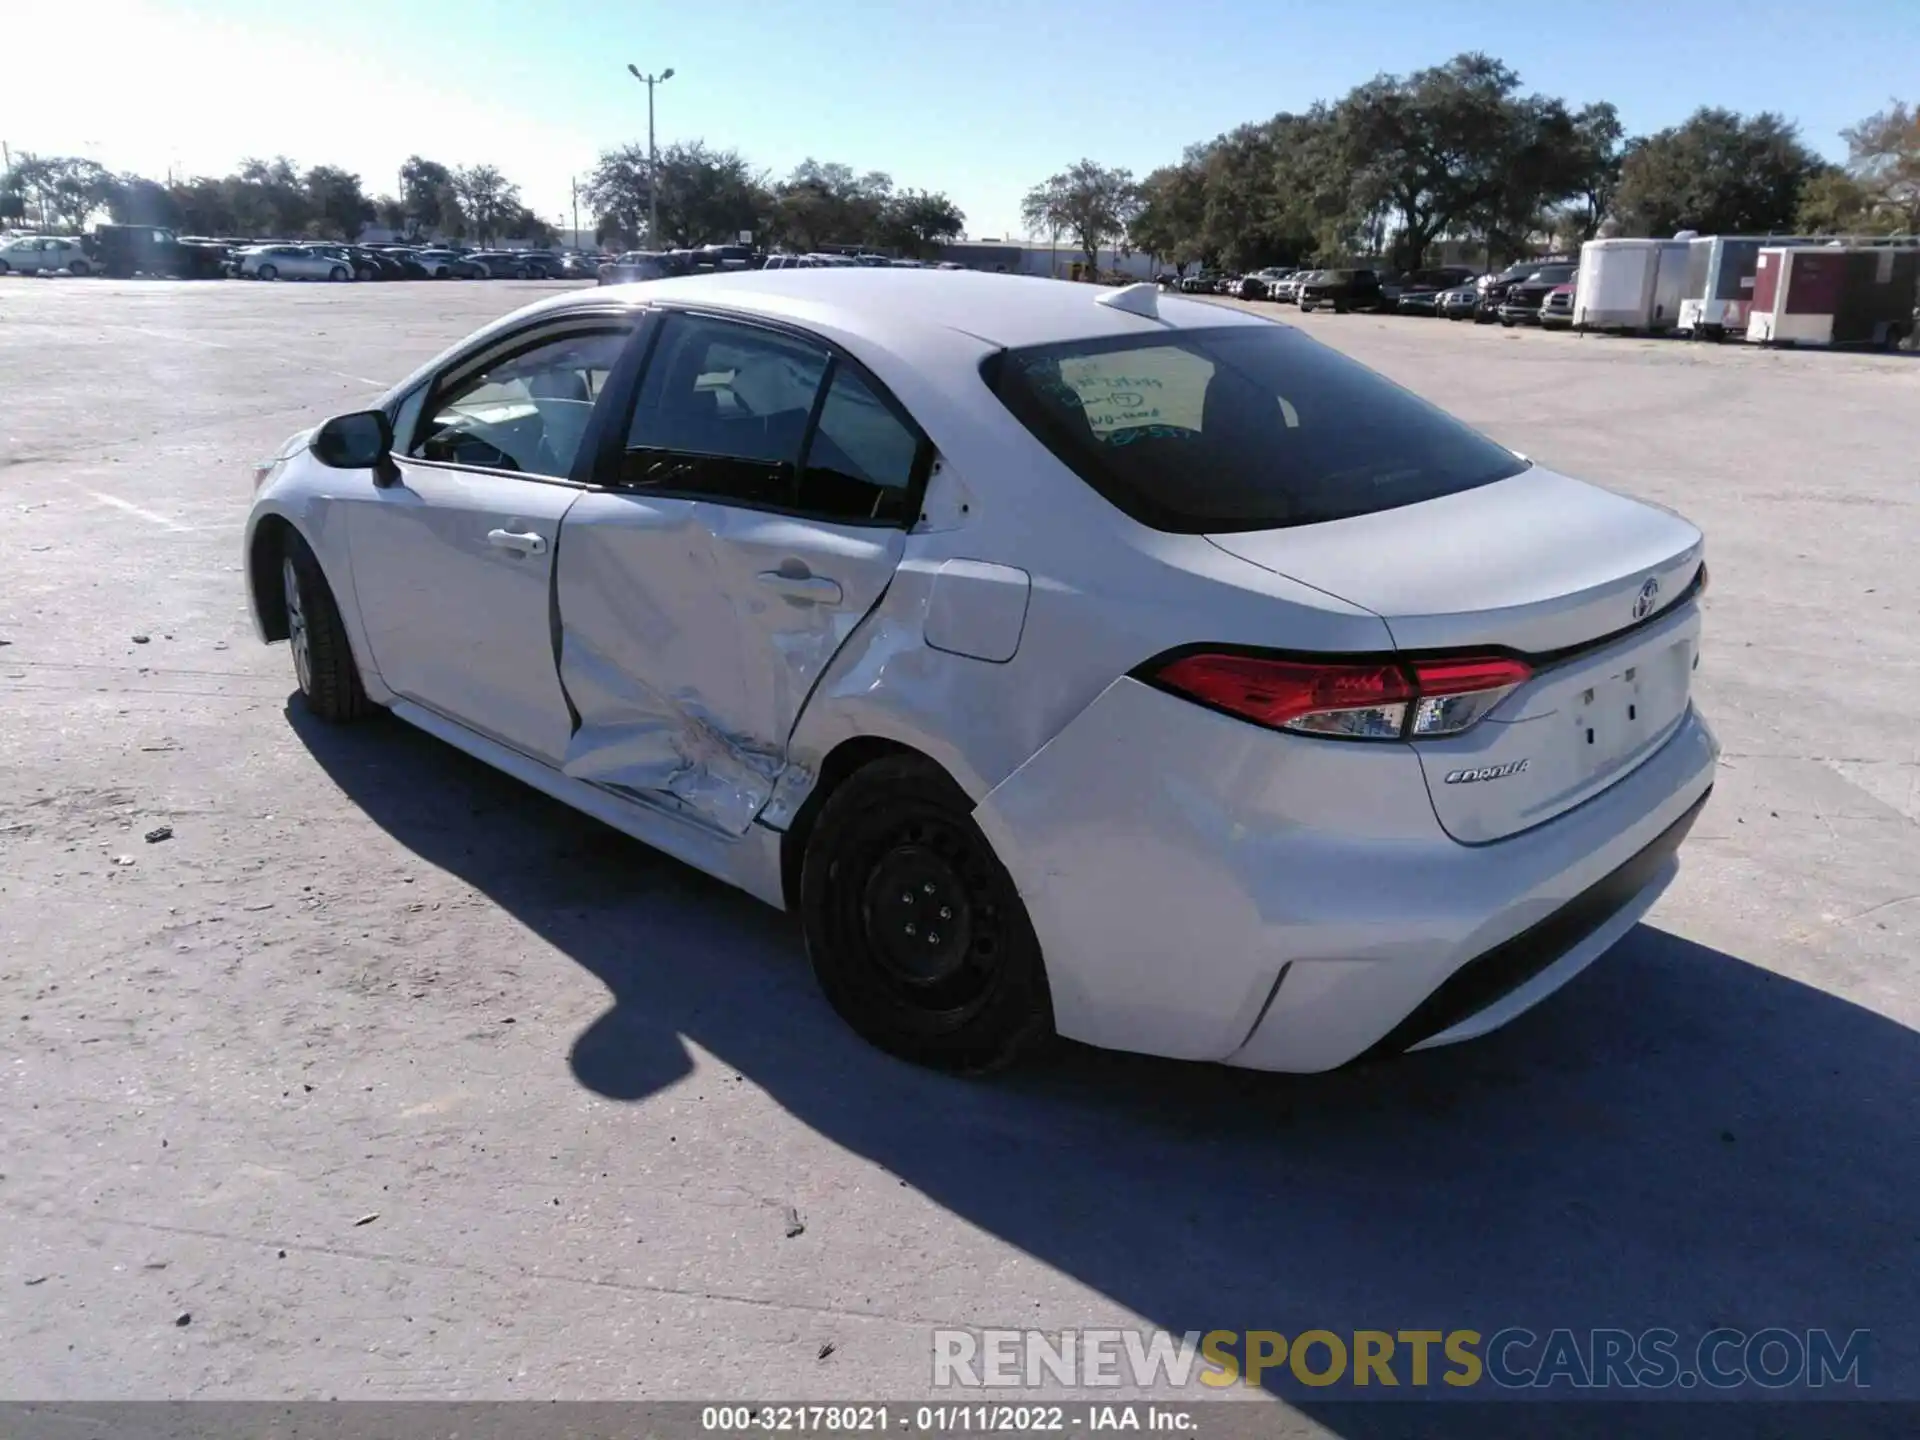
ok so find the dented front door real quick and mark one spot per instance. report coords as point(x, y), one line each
point(697, 606)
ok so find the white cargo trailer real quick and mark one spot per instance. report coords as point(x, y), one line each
point(1632, 285)
point(1720, 276)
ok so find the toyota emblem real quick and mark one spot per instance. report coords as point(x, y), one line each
point(1648, 597)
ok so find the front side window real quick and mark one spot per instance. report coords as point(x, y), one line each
point(722, 412)
point(1244, 428)
point(526, 412)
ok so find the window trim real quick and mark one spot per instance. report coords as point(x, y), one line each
point(615, 320)
point(614, 441)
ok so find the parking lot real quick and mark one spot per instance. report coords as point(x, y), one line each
point(383, 1077)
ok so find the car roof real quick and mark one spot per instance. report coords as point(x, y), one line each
point(891, 305)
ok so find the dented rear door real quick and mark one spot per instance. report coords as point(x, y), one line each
point(705, 588)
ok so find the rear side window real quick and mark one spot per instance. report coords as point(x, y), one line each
point(1244, 428)
point(862, 458)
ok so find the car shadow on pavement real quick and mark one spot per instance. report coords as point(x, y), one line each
point(1681, 1139)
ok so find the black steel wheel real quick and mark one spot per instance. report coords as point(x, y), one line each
point(322, 656)
point(914, 928)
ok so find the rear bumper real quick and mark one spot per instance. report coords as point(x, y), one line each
point(1208, 890)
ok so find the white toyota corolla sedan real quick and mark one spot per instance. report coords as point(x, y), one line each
point(1073, 660)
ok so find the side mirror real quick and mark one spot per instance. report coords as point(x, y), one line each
point(360, 441)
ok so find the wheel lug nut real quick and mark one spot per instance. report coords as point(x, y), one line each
point(945, 913)
point(913, 929)
point(906, 897)
point(933, 937)
point(927, 888)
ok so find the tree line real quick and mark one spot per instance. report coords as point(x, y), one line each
point(274, 198)
point(707, 195)
point(1459, 151)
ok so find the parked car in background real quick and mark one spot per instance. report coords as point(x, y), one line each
point(1341, 291)
point(360, 261)
point(1387, 735)
point(742, 257)
point(1520, 300)
point(1420, 290)
point(1271, 279)
point(1289, 292)
point(1556, 311)
point(1494, 291)
point(123, 250)
point(582, 265)
point(44, 254)
point(1458, 303)
point(1201, 282)
point(510, 265)
point(292, 262)
point(449, 265)
point(638, 265)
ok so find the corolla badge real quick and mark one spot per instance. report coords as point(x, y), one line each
point(1648, 597)
point(1486, 772)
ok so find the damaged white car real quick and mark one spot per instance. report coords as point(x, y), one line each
point(1072, 660)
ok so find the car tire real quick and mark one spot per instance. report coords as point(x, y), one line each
point(322, 657)
point(338, 273)
point(267, 272)
point(1506, 324)
point(5, 268)
point(895, 853)
point(77, 267)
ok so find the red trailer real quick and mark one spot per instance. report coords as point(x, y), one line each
point(1833, 295)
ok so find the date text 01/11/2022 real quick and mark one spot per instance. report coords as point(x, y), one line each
point(942, 1419)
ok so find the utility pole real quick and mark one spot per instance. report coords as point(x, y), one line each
point(653, 155)
point(574, 182)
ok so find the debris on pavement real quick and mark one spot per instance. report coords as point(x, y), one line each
point(795, 1225)
point(159, 833)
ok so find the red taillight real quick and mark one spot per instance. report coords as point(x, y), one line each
point(1371, 700)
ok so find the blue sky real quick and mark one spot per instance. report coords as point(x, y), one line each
point(979, 98)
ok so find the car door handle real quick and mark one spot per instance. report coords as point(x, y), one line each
point(524, 543)
point(815, 588)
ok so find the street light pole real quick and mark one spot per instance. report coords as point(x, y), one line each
point(653, 155)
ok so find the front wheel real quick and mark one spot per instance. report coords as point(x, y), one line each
point(337, 274)
point(322, 657)
point(5, 268)
point(77, 267)
point(914, 928)
point(268, 272)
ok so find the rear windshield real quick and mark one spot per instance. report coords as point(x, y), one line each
point(1250, 427)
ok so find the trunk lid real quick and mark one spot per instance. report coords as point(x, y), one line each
point(1584, 583)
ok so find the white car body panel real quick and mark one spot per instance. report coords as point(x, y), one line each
point(1169, 904)
point(1203, 887)
point(437, 553)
